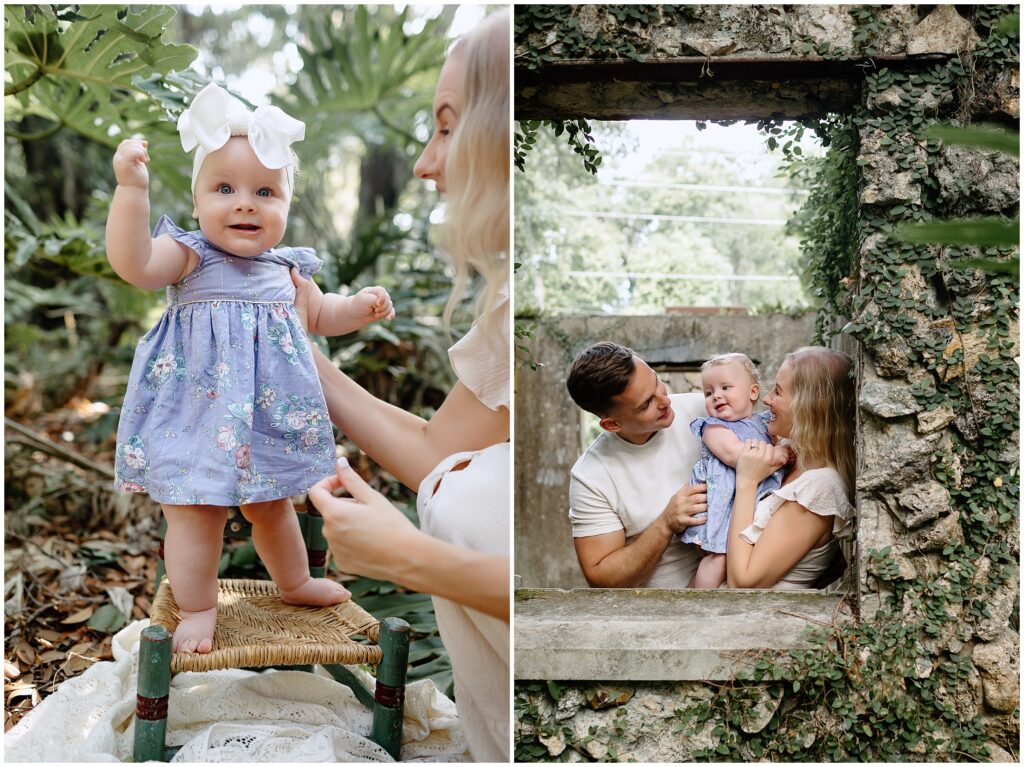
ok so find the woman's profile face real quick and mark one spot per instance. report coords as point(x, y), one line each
point(779, 400)
point(447, 107)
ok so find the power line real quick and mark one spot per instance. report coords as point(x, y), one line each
point(683, 219)
point(677, 276)
point(703, 187)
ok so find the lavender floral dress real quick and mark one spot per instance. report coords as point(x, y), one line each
point(224, 406)
point(713, 535)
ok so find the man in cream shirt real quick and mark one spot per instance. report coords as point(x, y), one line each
point(628, 495)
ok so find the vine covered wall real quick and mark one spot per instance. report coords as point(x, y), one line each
point(928, 670)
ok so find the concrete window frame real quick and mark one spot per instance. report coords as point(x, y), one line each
point(577, 633)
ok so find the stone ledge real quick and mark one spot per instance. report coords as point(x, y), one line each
point(658, 634)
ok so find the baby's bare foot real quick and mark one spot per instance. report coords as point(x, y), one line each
point(195, 631)
point(316, 591)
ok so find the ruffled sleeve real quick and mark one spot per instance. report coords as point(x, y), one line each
point(821, 491)
point(697, 425)
point(305, 259)
point(481, 357)
point(193, 240)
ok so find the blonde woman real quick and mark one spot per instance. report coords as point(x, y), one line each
point(458, 462)
point(787, 539)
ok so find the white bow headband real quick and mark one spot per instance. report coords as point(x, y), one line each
point(215, 116)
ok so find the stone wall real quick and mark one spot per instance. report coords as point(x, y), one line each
point(937, 376)
point(547, 438)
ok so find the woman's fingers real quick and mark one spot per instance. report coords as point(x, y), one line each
point(352, 482)
point(297, 279)
point(321, 494)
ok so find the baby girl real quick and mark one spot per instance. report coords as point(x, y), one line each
point(731, 388)
point(223, 405)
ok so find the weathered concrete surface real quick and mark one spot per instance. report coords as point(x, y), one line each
point(723, 61)
point(547, 427)
point(666, 99)
point(658, 634)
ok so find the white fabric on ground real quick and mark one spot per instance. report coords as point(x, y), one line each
point(228, 716)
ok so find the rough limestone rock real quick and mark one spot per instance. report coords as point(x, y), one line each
point(977, 182)
point(933, 420)
point(888, 400)
point(922, 503)
point(756, 717)
point(893, 454)
point(883, 182)
point(999, 755)
point(572, 700)
point(555, 743)
point(1000, 606)
point(825, 23)
point(965, 697)
point(942, 31)
point(937, 536)
point(999, 664)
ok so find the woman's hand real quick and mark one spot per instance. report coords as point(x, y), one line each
point(366, 533)
point(755, 462)
point(308, 299)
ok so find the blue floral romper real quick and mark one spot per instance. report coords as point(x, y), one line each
point(224, 406)
point(713, 535)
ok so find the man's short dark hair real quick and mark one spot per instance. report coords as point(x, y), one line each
point(599, 374)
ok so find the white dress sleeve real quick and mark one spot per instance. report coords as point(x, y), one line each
point(821, 491)
point(481, 357)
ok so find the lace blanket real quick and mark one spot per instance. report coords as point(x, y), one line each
point(229, 716)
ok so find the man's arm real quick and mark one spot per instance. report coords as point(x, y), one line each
point(608, 561)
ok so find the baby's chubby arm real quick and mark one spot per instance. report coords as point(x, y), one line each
point(723, 443)
point(727, 447)
point(136, 257)
point(334, 315)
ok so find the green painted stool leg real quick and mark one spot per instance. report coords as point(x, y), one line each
point(347, 678)
point(389, 698)
point(153, 688)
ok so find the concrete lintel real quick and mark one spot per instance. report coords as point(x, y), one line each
point(659, 634)
point(695, 68)
point(685, 100)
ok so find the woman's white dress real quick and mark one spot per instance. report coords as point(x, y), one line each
point(821, 491)
point(471, 508)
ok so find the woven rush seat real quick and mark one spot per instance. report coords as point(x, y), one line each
point(256, 628)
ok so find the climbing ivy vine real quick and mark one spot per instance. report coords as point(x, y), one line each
point(883, 688)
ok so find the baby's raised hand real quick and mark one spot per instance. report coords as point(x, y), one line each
point(130, 163)
point(373, 304)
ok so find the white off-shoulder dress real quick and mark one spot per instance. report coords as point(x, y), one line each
point(471, 507)
point(821, 491)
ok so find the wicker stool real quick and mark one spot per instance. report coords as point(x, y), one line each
point(255, 629)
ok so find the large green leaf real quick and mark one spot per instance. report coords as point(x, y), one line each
point(980, 231)
point(83, 68)
point(358, 64)
point(978, 136)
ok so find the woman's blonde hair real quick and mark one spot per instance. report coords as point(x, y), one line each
point(475, 233)
point(823, 410)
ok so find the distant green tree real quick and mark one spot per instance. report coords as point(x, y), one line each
point(551, 242)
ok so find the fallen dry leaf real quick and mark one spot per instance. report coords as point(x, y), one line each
point(11, 670)
point(81, 616)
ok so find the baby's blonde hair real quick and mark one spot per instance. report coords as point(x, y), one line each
point(475, 234)
point(823, 410)
point(733, 358)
